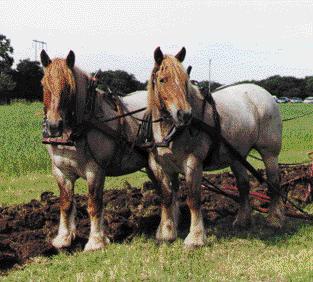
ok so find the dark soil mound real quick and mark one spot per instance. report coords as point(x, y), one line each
point(26, 230)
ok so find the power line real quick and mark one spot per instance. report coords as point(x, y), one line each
point(210, 64)
point(39, 45)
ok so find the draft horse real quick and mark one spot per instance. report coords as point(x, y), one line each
point(104, 148)
point(249, 119)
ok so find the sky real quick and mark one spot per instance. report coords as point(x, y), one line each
point(245, 39)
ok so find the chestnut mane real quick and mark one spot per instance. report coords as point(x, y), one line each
point(176, 71)
point(58, 75)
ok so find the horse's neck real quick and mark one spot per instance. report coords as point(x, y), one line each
point(196, 100)
point(160, 129)
point(127, 125)
point(197, 103)
point(81, 80)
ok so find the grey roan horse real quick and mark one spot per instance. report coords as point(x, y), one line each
point(65, 94)
point(249, 119)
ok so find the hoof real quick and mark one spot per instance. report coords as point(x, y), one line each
point(194, 240)
point(275, 221)
point(242, 221)
point(166, 232)
point(63, 241)
point(96, 243)
point(276, 216)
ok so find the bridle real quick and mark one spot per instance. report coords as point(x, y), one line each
point(79, 126)
point(80, 129)
point(174, 131)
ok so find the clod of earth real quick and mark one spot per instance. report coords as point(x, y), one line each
point(26, 230)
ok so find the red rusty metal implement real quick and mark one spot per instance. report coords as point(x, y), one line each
point(231, 191)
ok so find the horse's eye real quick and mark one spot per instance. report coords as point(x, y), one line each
point(162, 80)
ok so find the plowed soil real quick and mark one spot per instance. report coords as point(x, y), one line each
point(26, 230)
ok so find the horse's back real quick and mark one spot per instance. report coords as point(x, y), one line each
point(135, 101)
point(246, 92)
point(247, 101)
point(250, 118)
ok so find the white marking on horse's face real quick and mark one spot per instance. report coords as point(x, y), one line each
point(54, 110)
point(173, 111)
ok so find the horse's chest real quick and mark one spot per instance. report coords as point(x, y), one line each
point(66, 158)
point(65, 161)
point(169, 159)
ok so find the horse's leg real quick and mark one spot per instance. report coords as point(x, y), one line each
point(67, 227)
point(167, 229)
point(193, 174)
point(95, 182)
point(276, 214)
point(243, 217)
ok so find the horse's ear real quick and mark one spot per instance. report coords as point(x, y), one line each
point(189, 70)
point(45, 60)
point(180, 56)
point(158, 56)
point(70, 59)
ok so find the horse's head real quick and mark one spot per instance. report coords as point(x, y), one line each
point(58, 91)
point(169, 86)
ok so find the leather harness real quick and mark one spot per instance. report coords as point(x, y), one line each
point(92, 121)
point(144, 141)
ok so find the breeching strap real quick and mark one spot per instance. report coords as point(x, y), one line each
point(212, 132)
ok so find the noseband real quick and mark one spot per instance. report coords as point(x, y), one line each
point(71, 117)
point(173, 132)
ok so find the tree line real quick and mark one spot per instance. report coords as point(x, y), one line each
point(24, 81)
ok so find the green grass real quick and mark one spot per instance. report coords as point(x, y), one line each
point(22, 189)
point(297, 133)
point(20, 140)
point(241, 257)
point(256, 254)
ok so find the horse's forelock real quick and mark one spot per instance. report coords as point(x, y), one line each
point(175, 68)
point(57, 76)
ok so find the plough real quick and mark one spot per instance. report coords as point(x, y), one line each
point(261, 199)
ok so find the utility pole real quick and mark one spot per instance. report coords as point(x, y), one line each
point(210, 63)
point(39, 44)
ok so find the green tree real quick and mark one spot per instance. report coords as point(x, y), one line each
point(283, 86)
point(204, 84)
point(308, 88)
point(6, 86)
point(6, 52)
point(119, 82)
point(7, 83)
point(28, 76)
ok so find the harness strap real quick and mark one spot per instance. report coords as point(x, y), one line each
point(211, 131)
point(208, 98)
point(83, 129)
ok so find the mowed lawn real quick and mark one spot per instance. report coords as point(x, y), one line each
point(255, 254)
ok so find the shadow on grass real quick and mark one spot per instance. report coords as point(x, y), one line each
point(223, 228)
point(258, 230)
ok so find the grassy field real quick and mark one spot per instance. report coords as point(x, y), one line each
point(257, 254)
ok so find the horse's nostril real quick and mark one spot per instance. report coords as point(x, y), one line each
point(55, 128)
point(60, 125)
point(187, 116)
point(180, 114)
point(183, 116)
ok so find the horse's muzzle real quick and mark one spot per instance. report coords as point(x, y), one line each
point(183, 118)
point(54, 129)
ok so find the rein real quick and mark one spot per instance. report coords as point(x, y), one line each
point(211, 131)
point(81, 128)
point(215, 134)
